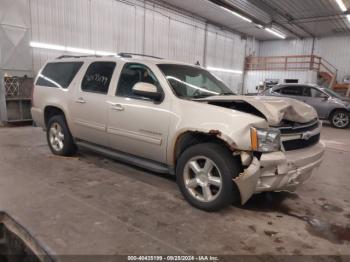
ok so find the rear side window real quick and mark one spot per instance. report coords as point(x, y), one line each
point(58, 74)
point(291, 90)
point(97, 77)
point(316, 93)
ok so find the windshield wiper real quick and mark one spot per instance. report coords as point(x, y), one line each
point(205, 96)
point(226, 93)
point(201, 96)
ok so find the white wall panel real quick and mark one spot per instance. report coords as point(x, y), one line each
point(102, 20)
point(15, 53)
point(126, 28)
point(253, 47)
point(226, 50)
point(286, 47)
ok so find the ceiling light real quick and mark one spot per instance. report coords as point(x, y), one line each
point(224, 70)
point(275, 33)
point(237, 14)
point(103, 53)
point(71, 49)
point(348, 17)
point(259, 26)
point(47, 46)
point(80, 50)
point(341, 5)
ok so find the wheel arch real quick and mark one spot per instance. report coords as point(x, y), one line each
point(189, 138)
point(50, 111)
point(337, 109)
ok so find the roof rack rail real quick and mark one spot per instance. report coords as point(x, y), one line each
point(76, 56)
point(129, 55)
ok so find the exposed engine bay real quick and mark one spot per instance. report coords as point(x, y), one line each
point(274, 110)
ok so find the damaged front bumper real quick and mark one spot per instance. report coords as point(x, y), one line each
point(277, 171)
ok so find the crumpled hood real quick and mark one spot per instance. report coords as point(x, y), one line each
point(275, 109)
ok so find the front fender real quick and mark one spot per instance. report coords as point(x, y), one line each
point(231, 126)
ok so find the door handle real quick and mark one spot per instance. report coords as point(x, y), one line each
point(117, 107)
point(80, 100)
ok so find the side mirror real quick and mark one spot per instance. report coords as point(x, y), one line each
point(147, 90)
point(324, 97)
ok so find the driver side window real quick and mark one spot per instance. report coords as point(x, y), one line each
point(133, 74)
point(201, 81)
point(316, 93)
point(312, 92)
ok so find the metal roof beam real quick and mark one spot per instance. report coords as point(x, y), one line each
point(229, 6)
point(268, 8)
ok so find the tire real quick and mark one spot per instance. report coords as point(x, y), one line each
point(340, 119)
point(59, 137)
point(194, 185)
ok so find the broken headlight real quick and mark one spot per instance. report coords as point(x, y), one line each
point(265, 140)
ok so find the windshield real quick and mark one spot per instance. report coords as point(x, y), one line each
point(193, 82)
point(331, 93)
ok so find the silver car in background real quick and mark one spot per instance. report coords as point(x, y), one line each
point(328, 104)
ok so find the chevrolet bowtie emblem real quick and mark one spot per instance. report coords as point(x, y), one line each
point(306, 135)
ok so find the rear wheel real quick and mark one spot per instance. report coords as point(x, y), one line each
point(59, 138)
point(204, 174)
point(340, 119)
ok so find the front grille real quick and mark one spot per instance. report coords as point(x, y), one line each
point(290, 128)
point(300, 143)
point(297, 129)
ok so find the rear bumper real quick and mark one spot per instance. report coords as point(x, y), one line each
point(279, 171)
point(38, 116)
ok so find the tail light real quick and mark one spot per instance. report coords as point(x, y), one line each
point(32, 95)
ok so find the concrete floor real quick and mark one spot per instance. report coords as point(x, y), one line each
point(91, 205)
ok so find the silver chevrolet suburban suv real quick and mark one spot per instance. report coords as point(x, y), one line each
point(171, 117)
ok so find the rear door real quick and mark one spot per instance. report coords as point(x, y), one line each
point(88, 106)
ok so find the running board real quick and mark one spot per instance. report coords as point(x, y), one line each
point(127, 158)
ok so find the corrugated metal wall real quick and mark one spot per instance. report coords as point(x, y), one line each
point(136, 26)
point(334, 49)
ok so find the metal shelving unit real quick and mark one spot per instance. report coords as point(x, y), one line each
point(15, 97)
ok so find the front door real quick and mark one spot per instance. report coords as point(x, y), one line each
point(317, 99)
point(138, 125)
point(88, 107)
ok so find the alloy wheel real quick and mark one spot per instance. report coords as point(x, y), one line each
point(340, 119)
point(202, 178)
point(56, 137)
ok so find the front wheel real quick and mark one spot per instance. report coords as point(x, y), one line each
point(204, 174)
point(340, 119)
